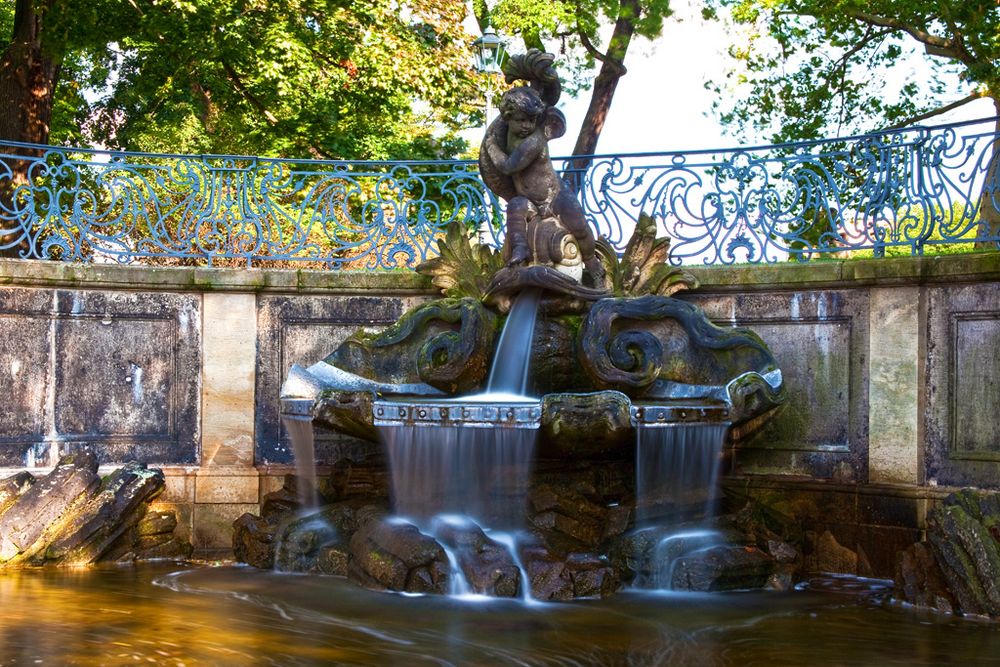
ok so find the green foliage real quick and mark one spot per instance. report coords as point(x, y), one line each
point(370, 79)
point(809, 68)
point(570, 28)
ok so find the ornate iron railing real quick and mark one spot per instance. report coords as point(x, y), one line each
point(909, 191)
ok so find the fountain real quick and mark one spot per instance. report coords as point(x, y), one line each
point(627, 390)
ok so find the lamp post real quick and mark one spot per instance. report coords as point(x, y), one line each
point(489, 51)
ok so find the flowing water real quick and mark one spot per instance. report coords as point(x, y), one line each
point(478, 472)
point(509, 373)
point(300, 432)
point(482, 473)
point(677, 469)
point(177, 615)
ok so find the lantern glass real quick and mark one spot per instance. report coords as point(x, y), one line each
point(489, 51)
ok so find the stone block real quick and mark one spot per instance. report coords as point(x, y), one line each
point(178, 486)
point(894, 392)
point(227, 488)
point(228, 378)
point(213, 524)
point(184, 513)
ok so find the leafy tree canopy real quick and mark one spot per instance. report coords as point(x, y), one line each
point(809, 68)
point(571, 29)
point(305, 78)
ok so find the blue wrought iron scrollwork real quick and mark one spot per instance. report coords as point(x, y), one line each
point(901, 191)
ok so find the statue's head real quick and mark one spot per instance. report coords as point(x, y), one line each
point(522, 108)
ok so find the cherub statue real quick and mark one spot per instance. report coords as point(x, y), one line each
point(514, 161)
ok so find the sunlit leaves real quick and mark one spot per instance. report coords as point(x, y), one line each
point(806, 68)
point(303, 78)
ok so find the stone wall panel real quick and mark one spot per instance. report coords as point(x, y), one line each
point(963, 386)
point(819, 340)
point(116, 371)
point(305, 330)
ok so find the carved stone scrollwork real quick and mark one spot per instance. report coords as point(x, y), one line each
point(445, 343)
point(636, 357)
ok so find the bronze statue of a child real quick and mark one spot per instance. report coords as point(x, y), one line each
point(514, 161)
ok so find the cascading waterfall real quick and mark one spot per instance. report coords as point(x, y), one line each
point(478, 472)
point(297, 419)
point(677, 467)
point(478, 468)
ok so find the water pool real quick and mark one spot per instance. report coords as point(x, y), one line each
point(201, 615)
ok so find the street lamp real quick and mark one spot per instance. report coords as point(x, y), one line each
point(489, 51)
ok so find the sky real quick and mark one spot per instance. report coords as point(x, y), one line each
point(661, 104)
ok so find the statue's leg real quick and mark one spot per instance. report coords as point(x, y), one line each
point(567, 208)
point(518, 211)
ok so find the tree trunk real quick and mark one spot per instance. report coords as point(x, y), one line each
point(989, 197)
point(28, 78)
point(612, 70)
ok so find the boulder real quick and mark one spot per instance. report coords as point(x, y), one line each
point(722, 568)
point(23, 525)
point(253, 541)
point(395, 555)
point(920, 581)
point(487, 565)
point(92, 528)
point(12, 487)
point(963, 533)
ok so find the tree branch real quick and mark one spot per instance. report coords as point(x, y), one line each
point(599, 55)
point(247, 95)
point(971, 97)
point(940, 44)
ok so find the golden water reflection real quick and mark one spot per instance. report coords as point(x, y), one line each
point(184, 615)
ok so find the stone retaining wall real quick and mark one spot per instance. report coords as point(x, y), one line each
point(891, 368)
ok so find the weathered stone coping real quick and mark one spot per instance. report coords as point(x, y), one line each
point(966, 267)
point(971, 267)
point(39, 273)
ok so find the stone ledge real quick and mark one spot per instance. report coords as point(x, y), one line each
point(964, 267)
point(802, 483)
point(40, 273)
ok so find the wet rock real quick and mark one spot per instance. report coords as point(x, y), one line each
point(298, 543)
point(89, 531)
point(591, 575)
point(333, 559)
point(828, 555)
point(253, 541)
point(547, 574)
point(279, 503)
point(963, 533)
point(920, 581)
point(644, 557)
point(722, 568)
point(157, 522)
point(72, 517)
point(487, 565)
point(23, 525)
point(367, 479)
point(12, 487)
point(581, 516)
point(388, 555)
point(781, 551)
